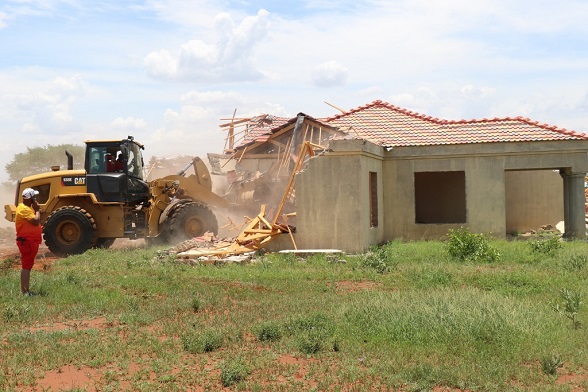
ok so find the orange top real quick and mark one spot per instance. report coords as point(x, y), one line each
point(24, 228)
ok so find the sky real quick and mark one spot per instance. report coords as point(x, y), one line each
point(169, 72)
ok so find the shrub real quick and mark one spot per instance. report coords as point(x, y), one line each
point(268, 332)
point(547, 247)
point(313, 333)
point(202, 342)
point(550, 364)
point(233, 371)
point(463, 246)
point(309, 342)
point(376, 258)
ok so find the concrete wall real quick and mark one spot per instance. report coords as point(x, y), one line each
point(332, 194)
point(533, 198)
point(484, 188)
point(485, 167)
point(253, 165)
point(332, 199)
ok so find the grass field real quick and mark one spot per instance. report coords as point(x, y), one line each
point(406, 316)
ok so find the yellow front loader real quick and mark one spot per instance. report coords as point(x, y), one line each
point(83, 209)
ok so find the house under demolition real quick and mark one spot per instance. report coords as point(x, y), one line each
point(381, 172)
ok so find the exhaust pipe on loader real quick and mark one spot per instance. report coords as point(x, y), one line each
point(69, 160)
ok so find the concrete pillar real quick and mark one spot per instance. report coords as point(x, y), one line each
point(574, 205)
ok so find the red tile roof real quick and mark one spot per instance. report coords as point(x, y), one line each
point(392, 126)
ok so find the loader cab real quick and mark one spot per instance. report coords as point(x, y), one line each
point(115, 171)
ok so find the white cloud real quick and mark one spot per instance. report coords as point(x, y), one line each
point(193, 127)
point(328, 74)
point(370, 91)
point(230, 58)
point(3, 20)
point(212, 98)
point(582, 103)
point(161, 63)
point(16, 9)
point(49, 110)
point(469, 91)
point(129, 124)
point(186, 13)
point(453, 102)
point(419, 100)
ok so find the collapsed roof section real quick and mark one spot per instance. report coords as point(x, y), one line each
point(260, 153)
point(242, 131)
point(277, 134)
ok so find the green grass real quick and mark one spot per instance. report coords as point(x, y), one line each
point(407, 316)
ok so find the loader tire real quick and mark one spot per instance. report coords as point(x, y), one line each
point(69, 230)
point(189, 220)
point(104, 243)
point(162, 238)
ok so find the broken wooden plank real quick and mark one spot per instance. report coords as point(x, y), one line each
point(258, 231)
point(292, 238)
point(233, 123)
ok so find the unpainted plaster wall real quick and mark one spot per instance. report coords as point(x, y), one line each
point(484, 188)
point(533, 199)
point(485, 169)
point(332, 199)
point(332, 194)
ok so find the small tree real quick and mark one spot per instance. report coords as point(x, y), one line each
point(40, 159)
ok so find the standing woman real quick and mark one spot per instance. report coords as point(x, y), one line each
point(28, 235)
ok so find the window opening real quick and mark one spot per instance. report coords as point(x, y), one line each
point(440, 197)
point(373, 199)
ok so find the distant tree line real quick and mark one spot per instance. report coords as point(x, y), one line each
point(40, 159)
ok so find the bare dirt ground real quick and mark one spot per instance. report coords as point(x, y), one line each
point(9, 250)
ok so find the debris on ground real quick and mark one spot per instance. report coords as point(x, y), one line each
point(544, 230)
point(207, 250)
point(256, 232)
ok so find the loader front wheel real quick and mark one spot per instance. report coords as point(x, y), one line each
point(69, 230)
point(189, 220)
point(104, 243)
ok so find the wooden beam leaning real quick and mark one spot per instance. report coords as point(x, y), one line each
point(259, 231)
point(304, 150)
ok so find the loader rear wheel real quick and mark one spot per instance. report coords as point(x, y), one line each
point(189, 220)
point(69, 230)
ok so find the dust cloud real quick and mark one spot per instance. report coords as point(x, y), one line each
point(6, 197)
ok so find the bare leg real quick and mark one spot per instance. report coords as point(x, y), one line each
point(25, 278)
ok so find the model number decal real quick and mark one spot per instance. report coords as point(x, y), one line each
point(73, 180)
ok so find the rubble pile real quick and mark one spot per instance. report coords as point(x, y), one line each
point(180, 252)
point(543, 231)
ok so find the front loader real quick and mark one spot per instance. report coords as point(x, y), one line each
point(109, 199)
